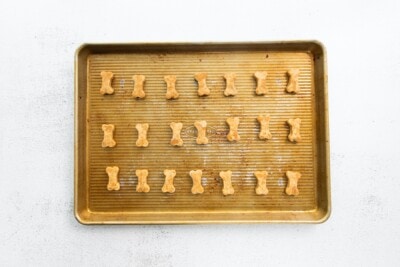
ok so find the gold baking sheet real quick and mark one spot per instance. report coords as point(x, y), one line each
point(94, 204)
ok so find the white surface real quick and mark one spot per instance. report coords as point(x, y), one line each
point(38, 41)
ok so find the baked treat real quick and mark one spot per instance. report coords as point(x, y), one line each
point(294, 134)
point(264, 127)
point(142, 186)
point(230, 89)
point(261, 188)
point(201, 80)
point(176, 139)
point(171, 90)
point(261, 77)
point(293, 83)
point(106, 79)
point(113, 183)
point(197, 188)
point(233, 123)
point(226, 177)
point(293, 178)
point(138, 91)
point(108, 139)
point(142, 129)
point(168, 186)
point(201, 127)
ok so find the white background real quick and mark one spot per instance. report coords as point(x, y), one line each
point(37, 44)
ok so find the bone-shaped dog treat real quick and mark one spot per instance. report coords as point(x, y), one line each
point(113, 183)
point(142, 185)
point(230, 84)
point(233, 123)
point(138, 91)
point(261, 77)
point(293, 178)
point(142, 134)
point(108, 140)
point(201, 80)
point(176, 139)
point(168, 186)
point(261, 188)
point(294, 134)
point(264, 126)
point(201, 127)
point(197, 188)
point(293, 83)
point(106, 79)
point(226, 177)
point(171, 90)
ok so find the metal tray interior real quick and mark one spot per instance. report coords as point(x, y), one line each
point(94, 204)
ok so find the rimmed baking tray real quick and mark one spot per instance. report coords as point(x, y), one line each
point(94, 204)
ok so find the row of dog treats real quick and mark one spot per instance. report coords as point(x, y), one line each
point(201, 78)
point(197, 188)
point(201, 126)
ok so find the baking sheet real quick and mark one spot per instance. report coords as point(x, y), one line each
point(94, 204)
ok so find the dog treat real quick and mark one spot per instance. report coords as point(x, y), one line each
point(226, 177)
point(106, 79)
point(230, 89)
point(201, 80)
point(197, 188)
point(176, 139)
point(171, 90)
point(261, 77)
point(233, 123)
point(168, 186)
point(108, 140)
point(142, 134)
point(294, 134)
point(264, 127)
point(293, 83)
point(293, 178)
point(201, 127)
point(113, 183)
point(261, 188)
point(142, 185)
point(138, 91)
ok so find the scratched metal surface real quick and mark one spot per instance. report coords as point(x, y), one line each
point(243, 158)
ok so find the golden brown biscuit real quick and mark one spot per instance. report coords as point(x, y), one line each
point(226, 177)
point(294, 134)
point(261, 77)
point(113, 183)
point(142, 185)
point(293, 178)
point(261, 188)
point(168, 186)
point(293, 83)
point(142, 129)
point(176, 139)
point(106, 79)
point(201, 80)
point(197, 188)
point(201, 127)
point(138, 91)
point(264, 126)
point(171, 90)
point(230, 89)
point(108, 139)
point(233, 123)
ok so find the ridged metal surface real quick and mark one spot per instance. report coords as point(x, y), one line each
point(243, 158)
